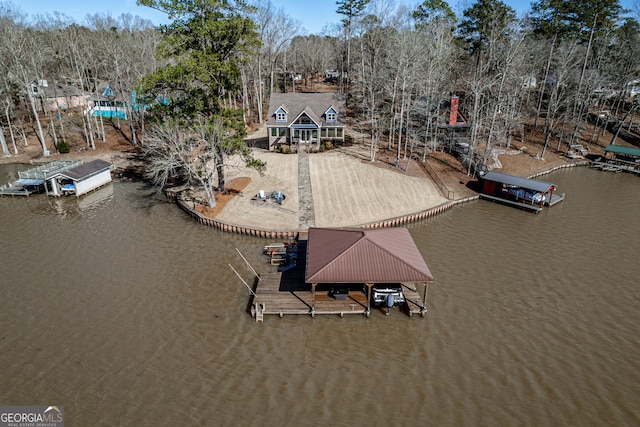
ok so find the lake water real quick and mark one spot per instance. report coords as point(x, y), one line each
point(123, 310)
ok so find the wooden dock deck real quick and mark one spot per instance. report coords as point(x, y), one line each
point(284, 293)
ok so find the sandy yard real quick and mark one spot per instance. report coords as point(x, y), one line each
point(348, 191)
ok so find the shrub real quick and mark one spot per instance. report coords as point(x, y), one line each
point(63, 147)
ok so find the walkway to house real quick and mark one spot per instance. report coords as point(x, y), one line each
point(337, 188)
point(306, 213)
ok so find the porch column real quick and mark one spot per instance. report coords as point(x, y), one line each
point(369, 286)
point(54, 187)
point(424, 298)
point(313, 301)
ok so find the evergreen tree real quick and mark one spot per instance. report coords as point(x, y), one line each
point(204, 47)
point(484, 23)
point(434, 11)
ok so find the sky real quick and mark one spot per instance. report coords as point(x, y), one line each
point(314, 15)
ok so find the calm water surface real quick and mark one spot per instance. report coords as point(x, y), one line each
point(124, 311)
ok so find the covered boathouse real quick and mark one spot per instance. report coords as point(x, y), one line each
point(523, 193)
point(82, 179)
point(338, 271)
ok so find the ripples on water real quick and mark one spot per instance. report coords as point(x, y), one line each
point(125, 312)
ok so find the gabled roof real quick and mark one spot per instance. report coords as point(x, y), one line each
point(331, 108)
point(105, 90)
point(528, 184)
point(86, 170)
point(364, 256)
point(311, 114)
point(314, 104)
point(618, 149)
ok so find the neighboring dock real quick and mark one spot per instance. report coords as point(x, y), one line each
point(523, 193)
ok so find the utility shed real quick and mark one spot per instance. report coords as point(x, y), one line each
point(84, 178)
point(529, 194)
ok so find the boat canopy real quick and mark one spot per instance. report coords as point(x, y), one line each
point(516, 181)
point(30, 181)
point(618, 149)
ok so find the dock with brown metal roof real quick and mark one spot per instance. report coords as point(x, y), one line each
point(288, 292)
point(275, 296)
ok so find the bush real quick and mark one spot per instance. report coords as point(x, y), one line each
point(285, 149)
point(63, 147)
point(328, 145)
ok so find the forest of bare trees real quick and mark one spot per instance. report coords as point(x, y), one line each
point(554, 68)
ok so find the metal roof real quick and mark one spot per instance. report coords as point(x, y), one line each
point(629, 151)
point(30, 181)
point(86, 170)
point(529, 184)
point(364, 256)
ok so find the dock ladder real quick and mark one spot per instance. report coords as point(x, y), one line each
point(260, 312)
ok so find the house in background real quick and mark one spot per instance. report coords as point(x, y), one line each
point(106, 102)
point(57, 96)
point(305, 120)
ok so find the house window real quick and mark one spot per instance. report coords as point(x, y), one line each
point(281, 116)
point(331, 116)
point(278, 131)
point(331, 132)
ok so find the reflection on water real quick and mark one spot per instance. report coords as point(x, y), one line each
point(123, 310)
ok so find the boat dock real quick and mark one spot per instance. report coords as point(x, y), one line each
point(34, 180)
point(285, 292)
point(523, 193)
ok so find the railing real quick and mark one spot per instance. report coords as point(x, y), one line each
point(451, 195)
point(47, 170)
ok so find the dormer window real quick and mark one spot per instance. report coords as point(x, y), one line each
point(331, 115)
point(281, 115)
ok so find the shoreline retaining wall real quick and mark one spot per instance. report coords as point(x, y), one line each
point(175, 194)
point(288, 234)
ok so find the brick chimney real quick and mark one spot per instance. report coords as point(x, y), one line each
point(453, 111)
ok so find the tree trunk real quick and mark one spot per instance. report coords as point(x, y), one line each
point(45, 152)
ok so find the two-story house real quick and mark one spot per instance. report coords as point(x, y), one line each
point(304, 121)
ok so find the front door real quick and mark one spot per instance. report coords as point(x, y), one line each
point(305, 136)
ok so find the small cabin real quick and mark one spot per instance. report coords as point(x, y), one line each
point(524, 193)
